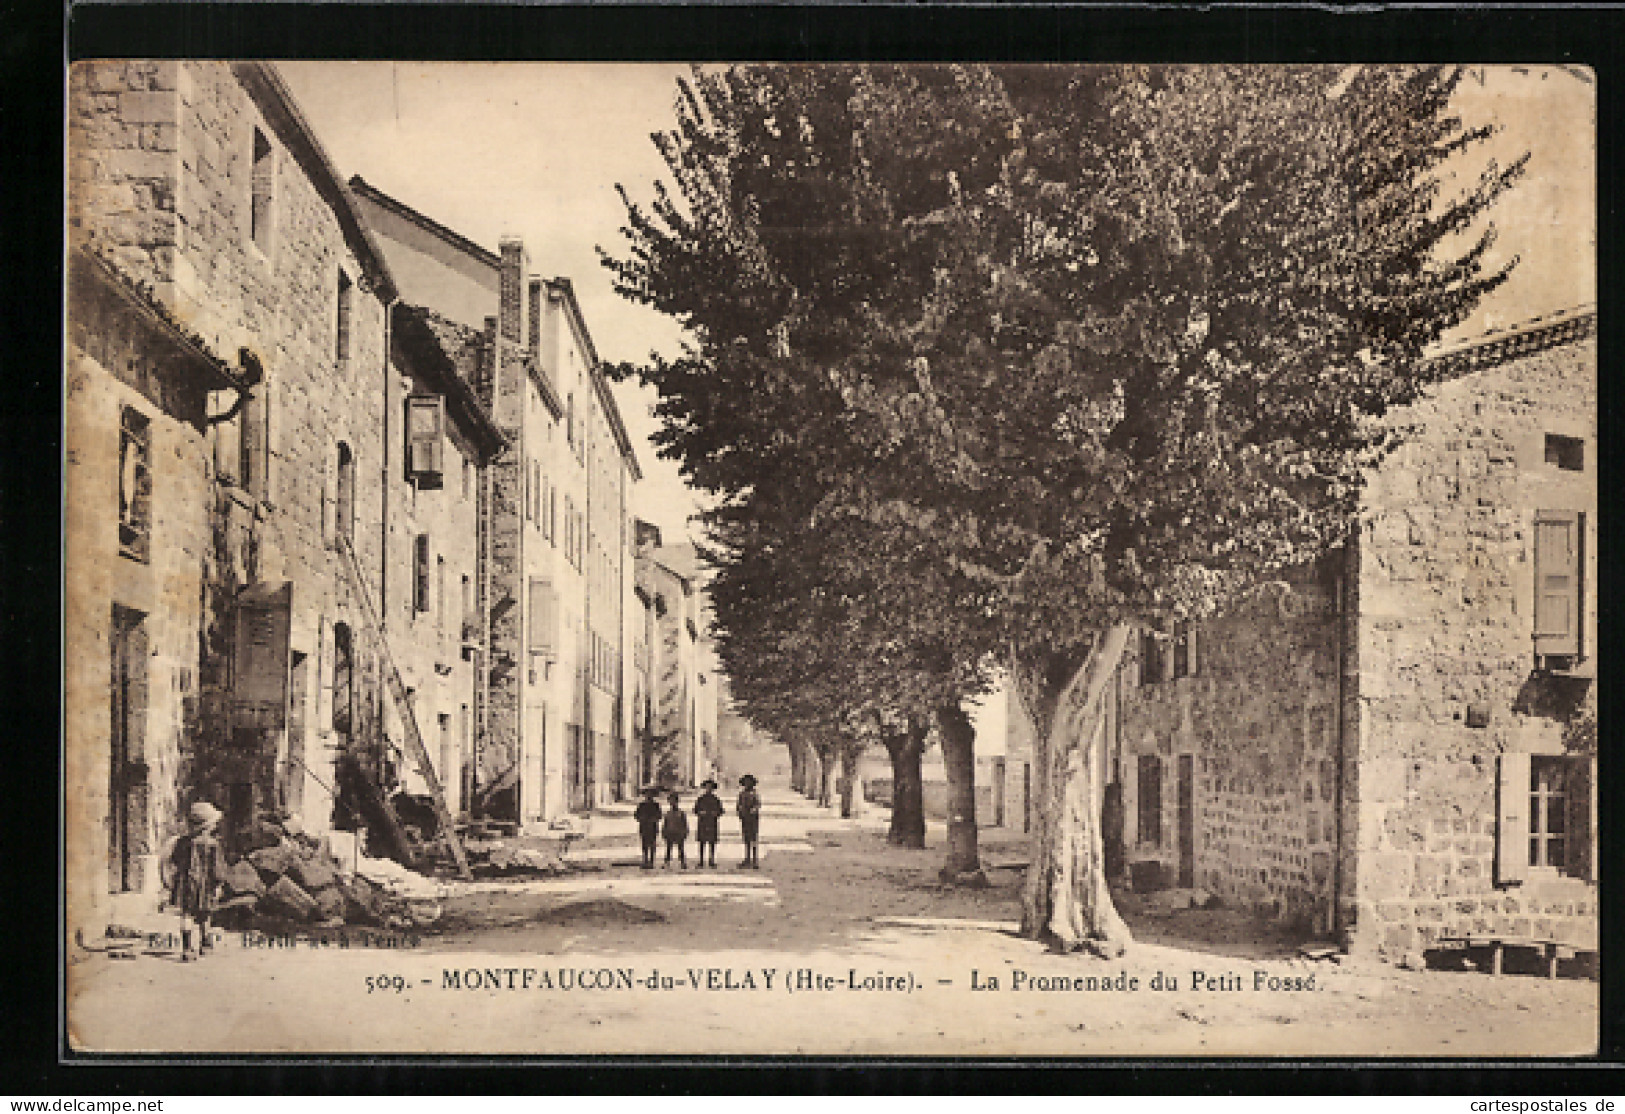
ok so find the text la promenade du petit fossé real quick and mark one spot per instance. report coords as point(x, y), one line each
point(785, 980)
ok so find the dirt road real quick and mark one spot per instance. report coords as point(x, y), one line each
point(839, 945)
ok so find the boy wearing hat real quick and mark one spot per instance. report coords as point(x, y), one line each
point(647, 815)
point(749, 807)
point(675, 829)
point(708, 810)
point(196, 868)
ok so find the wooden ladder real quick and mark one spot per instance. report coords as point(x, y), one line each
point(415, 749)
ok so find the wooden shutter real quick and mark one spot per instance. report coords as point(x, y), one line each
point(1512, 819)
point(1557, 582)
point(1579, 798)
point(420, 573)
point(1149, 806)
point(261, 659)
point(543, 617)
point(425, 437)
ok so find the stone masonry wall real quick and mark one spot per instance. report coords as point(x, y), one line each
point(161, 176)
point(1446, 661)
point(1259, 718)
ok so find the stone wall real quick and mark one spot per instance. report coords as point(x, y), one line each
point(1448, 679)
point(162, 594)
point(1258, 720)
point(161, 180)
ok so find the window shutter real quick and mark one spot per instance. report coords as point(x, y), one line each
point(329, 498)
point(1557, 582)
point(324, 674)
point(1582, 776)
point(261, 660)
point(543, 612)
point(1512, 823)
point(425, 432)
point(420, 573)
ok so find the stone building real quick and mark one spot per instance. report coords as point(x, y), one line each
point(1390, 747)
point(554, 576)
point(227, 386)
point(679, 737)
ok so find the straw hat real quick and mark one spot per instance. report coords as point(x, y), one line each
point(708, 784)
point(203, 815)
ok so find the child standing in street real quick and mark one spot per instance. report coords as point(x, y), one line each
point(749, 807)
point(675, 829)
point(708, 810)
point(195, 869)
point(647, 815)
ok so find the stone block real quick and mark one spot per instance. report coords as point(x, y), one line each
point(330, 902)
point(288, 899)
point(160, 107)
point(242, 878)
point(271, 862)
point(311, 871)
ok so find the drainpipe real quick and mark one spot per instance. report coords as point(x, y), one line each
point(383, 518)
point(1341, 589)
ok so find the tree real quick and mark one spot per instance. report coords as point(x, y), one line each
point(1098, 346)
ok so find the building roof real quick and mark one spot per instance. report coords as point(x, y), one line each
point(562, 289)
point(363, 188)
point(441, 349)
point(282, 113)
point(1497, 346)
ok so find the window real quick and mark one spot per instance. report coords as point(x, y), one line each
point(1150, 800)
point(1184, 644)
point(134, 485)
point(543, 617)
point(341, 346)
point(263, 178)
point(343, 677)
point(426, 439)
point(1548, 812)
point(1150, 657)
point(440, 594)
point(420, 573)
point(1559, 549)
point(254, 449)
point(1545, 823)
point(344, 501)
point(1568, 453)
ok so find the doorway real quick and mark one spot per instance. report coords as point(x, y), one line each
point(1187, 822)
point(127, 769)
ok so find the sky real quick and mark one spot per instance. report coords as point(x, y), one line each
point(531, 150)
point(536, 150)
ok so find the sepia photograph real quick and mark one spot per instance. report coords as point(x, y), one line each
point(572, 559)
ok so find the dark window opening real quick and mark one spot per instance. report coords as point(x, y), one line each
point(1548, 811)
point(342, 334)
point(259, 210)
point(344, 510)
point(1150, 800)
point(135, 485)
point(1568, 453)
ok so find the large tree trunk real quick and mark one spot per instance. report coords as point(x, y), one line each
point(959, 762)
point(1066, 901)
point(851, 786)
point(798, 766)
point(811, 762)
point(907, 787)
point(826, 767)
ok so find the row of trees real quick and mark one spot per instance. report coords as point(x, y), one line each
point(988, 365)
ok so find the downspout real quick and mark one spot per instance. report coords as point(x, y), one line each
point(383, 518)
point(1341, 590)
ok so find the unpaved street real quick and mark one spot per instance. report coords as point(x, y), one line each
point(839, 945)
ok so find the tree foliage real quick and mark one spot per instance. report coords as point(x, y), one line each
point(1093, 345)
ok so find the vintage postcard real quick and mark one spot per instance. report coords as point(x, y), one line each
point(548, 551)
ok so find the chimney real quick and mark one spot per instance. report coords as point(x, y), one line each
point(536, 320)
point(511, 290)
